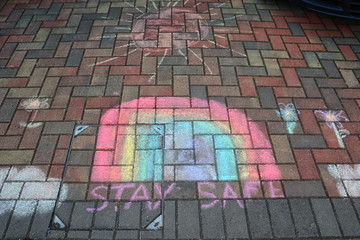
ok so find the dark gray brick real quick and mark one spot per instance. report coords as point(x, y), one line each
point(106, 218)
point(333, 83)
point(216, 52)
point(42, 219)
point(164, 76)
point(82, 219)
point(347, 217)
point(310, 72)
point(232, 61)
point(296, 29)
point(265, 15)
point(74, 37)
point(43, 18)
point(251, 71)
point(281, 221)
point(235, 219)
point(102, 234)
point(74, 58)
point(40, 54)
point(198, 92)
point(174, 61)
point(188, 70)
point(114, 13)
point(64, 212)
point(52, 42)
point(24, 21)
point(259, 221)
point(147, 216)
point(304, 189)
point(349, 41)
point(304, 220)
point(85, 26)
point(356, 202)
point(170, 220)
point(55, 8)
point(94, 16)
point(35, 11)
point(230, 20)
point(250, 8)
point(21, 219)
point(188, 219)
point(130, 219)
point(108, 41)
point(267, 97)
point(257, 45)
point(114, 85)
point(6, 208)
point(59, 128)
point(56, 234)
point(8, 109)
point(78, 234)
point(74, 20)
point(310, 87)
point(330, 68)
point(307, 141)
point(8, 72)
point(212, 221)
point(151, 235)
point(127, 234)
point(81, 157)
point(330, 45)
point(183, 190)
point(325, 218)
point(331, 99)
point(312, 60)
point(228, 76)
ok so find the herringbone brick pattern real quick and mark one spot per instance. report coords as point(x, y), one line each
point(266, 84)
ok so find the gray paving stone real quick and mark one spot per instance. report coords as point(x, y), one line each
point(329, 44)
point(228, 76)
point(52, 42)
point(108, 41)
point(56, 234)
point(312, 60)
point(85, 26)
point(356, 202)
point(251, 71)
point(310, 87)
point(64, 212)
point(250, 8)
point(331, 68)
point(188, 70)
point(281, 221)
point(130, 218)
point(296, 29)
point(59, 128)
point(80, 218)
point(102, 234)
point(21, 219)
point(258, 217)
point(310, 72)
point(333, 83)
point(307, 141)
point(325, 218)
point(330, 56)
point(8, 109)
point(265, 15)
point(212, 221)
point(151, 234)
point(88, 91)
point(235, 219)
point(347, 217)
point(198, 92)
point(127, 234)
point(267, 97)
point(79, 157)
point(168, 61)
point(105, 219)
point(257, 45)
point(216, 52)
point(42, 219)
point(170, 220)
point(114, 85)
point(74, 58)
point(231, 61)
point(40, 54)
point(188, 219)
point(6, 208)
point(77, 234)
point(304, 189)
point(182, 190)
point(331, 99)
point(304, 220)
point(148, 215)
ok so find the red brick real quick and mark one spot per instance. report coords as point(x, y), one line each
point(346, 31)
point(30, 138)
point(280, 22)
point(306, 164)
point(77, 174)
point(309, 103)
point(331, 156)
point(312, 47)
point(102, 102)
point(244, 26)
point(312, 36)
point(291, 77)
point(353, 127)
point(262, 24)
point(64, 14)
point(291, 39)
point(329, 136)
point(45, 150)
point(153, 91)
point(54, 62)
point(13, 82)
point(348, 93)
point(351, 109)
point(292, 63)
point(241, 37)
point(212, 66)
point(281, 13)
point(347, 52)
point(260, 35)
point(294, 50)
point(297, 19)
point(48, 115)
point(312, 26)
point(259, 142)
point(226, 30)
point(125, 70)
point(53, 24)
point(56, 171)
point(16, 59)
point(64, 142)
point(200, 44)
point(140, 80)
point(60, 156)
point(352, 144)
point(278, 31)
point(3, 128)
point(20, 38)
point(247, 86)
point(288, 92)
point(205, 80)
point(15, 128)
point(221, 41)
point(329, 33)
point(75, 109)
point(277, 43)
point(224, 91)
point(269, 81)
point(309, 123)
point(9, 142)
point(195, 57)
point(313, 17)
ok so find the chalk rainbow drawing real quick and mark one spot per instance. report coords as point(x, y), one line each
point(123, 156)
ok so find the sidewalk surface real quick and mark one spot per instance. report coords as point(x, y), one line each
point(243, 114)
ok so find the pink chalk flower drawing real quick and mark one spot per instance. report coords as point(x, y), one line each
point(34, 103)
point(333, 120)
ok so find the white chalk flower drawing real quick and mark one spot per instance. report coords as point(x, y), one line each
point(289, 114)
point(333, 120)
point(34, 103)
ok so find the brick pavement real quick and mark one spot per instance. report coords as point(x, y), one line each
point(228, 119)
